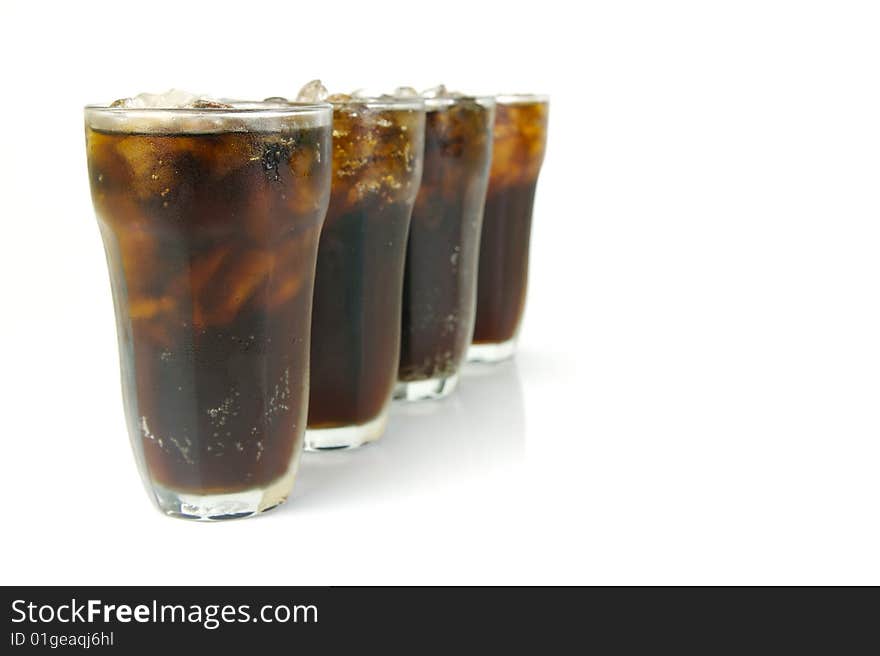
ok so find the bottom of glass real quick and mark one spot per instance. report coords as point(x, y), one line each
point(346, 437)
point(218, 507)
point(491, 353)
point(421, 390)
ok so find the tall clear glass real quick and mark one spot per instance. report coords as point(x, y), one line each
point(210, 219)
point(518, 152)
point(439, 289)
point(377, 166)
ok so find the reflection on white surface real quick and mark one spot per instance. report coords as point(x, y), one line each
point(479, 427)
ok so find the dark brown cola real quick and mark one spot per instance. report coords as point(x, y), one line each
point(441, 270)
point(211, 239)
point(518, 151)
point(377, 165)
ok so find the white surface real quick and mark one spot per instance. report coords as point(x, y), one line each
point(696, 400)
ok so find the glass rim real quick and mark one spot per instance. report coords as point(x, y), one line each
point(378, 102)
point(241, 116)
point(448, 101)
point(521, 98)
point(236, 108)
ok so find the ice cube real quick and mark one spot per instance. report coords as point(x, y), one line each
point(406, 92)
point(435, 92)
point(288, 277)
point(171, 99)
point(236, 282)
point(368, 93)
point(440, 91)
point(313, 91)
point(152, 164)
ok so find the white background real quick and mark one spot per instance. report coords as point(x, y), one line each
point(696, 396)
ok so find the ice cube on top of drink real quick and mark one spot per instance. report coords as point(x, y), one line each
point(171, 99)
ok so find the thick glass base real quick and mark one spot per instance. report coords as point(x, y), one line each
point(421, 390)
point(492, 352)
point(216, 507)
point(346, 437)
